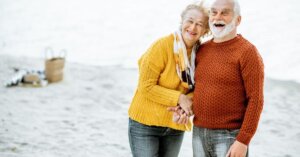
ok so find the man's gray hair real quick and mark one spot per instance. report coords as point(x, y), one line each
point(236, 8)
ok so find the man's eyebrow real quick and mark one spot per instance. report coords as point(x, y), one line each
point(223, 10)
point(227, 10)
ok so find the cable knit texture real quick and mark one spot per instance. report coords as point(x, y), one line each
point(229, 87)
point(158, 88)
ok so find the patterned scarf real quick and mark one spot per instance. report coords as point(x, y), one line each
point(185, 68)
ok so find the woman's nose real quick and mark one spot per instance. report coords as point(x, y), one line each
point(193, 26)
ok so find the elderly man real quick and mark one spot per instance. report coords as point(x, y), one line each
point(228, 95)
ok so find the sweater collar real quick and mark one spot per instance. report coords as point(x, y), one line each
point(229, 42)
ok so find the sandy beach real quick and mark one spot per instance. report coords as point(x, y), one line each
point(86, 114)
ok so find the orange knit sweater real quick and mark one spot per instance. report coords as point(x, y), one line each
point(229, 87)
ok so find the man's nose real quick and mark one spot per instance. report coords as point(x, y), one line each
point(218, 16)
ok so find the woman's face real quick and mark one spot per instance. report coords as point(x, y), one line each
point(193, 27)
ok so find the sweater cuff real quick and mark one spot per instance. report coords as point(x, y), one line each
point(175, 98)
point(191, 94)
point(244, 138)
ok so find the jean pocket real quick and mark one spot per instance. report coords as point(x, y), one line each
point(233, 131)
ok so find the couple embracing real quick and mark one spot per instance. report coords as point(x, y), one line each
point(219, 83)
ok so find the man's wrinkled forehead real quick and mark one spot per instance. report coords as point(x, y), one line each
point(222, 5)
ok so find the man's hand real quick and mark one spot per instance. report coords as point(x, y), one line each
point(237, 149)
point(186, 103)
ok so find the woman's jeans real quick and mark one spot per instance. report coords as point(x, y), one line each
point(211, 142)
point(153, 141)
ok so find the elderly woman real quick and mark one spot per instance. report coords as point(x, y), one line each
point(166, 76)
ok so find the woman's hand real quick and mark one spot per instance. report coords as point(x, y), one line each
point(179, 116)
point(186, 103)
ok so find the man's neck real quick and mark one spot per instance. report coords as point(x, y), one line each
point(226, 38)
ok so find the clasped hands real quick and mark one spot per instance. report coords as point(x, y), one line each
point(183, 111)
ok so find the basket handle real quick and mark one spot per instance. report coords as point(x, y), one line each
point(63, 53)
point(49, 54)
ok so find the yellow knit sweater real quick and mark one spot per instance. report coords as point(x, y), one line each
point(158, 88)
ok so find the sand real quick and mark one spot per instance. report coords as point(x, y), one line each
point(86, 114)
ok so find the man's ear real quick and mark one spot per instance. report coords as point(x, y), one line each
point(238, 20)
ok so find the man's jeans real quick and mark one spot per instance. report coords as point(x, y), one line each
point(152, 141)
point(212, 143)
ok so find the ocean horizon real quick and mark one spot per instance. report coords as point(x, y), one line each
point(119, 32)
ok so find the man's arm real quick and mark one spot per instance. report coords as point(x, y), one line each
point(252, 70)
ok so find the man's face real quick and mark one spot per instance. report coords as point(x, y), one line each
point(222, 20)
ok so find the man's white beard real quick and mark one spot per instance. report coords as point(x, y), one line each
point(221, 33)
